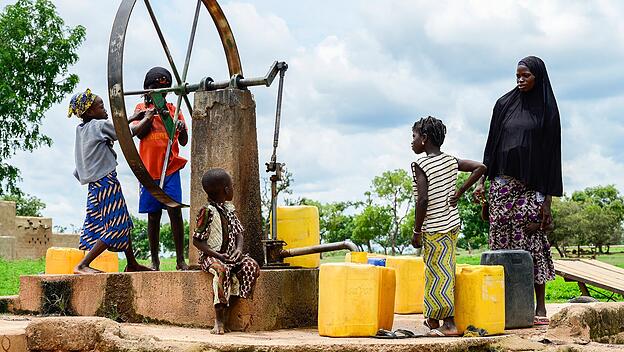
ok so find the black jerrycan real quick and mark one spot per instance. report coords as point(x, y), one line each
point(519, 303)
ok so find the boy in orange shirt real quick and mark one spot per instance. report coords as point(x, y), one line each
point(152, 148)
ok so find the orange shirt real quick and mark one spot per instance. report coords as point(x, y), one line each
point(153, 146)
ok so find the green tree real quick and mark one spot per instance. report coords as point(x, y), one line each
point(140, 241)
point(335, 225)
point(474, 229)
point(372, 224)
point(568, 220)
point(26, 205)
point(603, 213)
point(394, 189)
point(36, 49)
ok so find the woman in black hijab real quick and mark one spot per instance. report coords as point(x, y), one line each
point(523, 157)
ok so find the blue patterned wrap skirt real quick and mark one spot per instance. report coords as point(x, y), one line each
point(107, 216)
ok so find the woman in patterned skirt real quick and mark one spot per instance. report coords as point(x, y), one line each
point(523, 157)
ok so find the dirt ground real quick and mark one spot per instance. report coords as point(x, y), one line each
point(99, 334)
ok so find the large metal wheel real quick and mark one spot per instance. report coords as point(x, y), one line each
point(116, 89)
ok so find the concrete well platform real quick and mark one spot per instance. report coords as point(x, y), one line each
point(282, 298)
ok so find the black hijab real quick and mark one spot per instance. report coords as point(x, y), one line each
point(524, 140)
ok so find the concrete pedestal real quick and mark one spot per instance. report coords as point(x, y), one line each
point(281, 299)
point(224, 135)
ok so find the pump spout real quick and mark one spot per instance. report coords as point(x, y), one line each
point(327, 247)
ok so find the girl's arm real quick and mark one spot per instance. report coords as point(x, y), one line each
point(142, 128)
point(422, 187)
point(477, 170)
point(238, 252)
point(203, 246)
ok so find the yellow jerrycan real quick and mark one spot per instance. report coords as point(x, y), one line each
point(355, 299)
point(298, 226)
point(480, 298)
point(61, 260)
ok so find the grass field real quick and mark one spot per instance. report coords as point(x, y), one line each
point(556, 291)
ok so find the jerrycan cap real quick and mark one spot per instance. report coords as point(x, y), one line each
point(377, 261)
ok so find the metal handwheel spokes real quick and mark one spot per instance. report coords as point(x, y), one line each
point(182, 89)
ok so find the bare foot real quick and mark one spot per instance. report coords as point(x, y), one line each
point(431, 323)
point(218, 329)
point(86, 270)
point(136, 267)
point(182, 267)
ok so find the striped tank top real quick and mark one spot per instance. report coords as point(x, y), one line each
point(441, 172)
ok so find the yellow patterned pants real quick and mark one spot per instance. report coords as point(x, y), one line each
point(439, 258)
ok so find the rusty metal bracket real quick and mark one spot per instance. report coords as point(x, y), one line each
point(116, 87)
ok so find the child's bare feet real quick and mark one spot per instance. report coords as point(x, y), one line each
point(182, 266)
point(218, 329)
point(447, 329)
point(431, 323)
point(136, 267)
point(80, 269)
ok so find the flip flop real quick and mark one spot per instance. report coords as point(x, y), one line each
point(438, 333)
point(540, 321)
point(385, 334)
point(405, 334)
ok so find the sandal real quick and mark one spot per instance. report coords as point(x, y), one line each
point(385, 334)
point(438, 333)
point(540, 321)
point(405, 334)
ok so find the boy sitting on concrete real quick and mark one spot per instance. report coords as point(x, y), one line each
point(219, 238)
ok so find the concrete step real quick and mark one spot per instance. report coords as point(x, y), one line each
point(13, 334)
point(281, 299)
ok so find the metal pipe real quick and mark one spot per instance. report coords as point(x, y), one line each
point(327, 247)
point(273, 232)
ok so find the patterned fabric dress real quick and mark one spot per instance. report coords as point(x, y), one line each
point(439, 258)
point(513, 206)
point(107, 216)
point(440, 230)
point(218, 225)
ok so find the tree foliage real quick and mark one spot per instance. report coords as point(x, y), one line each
point(140, 241)
point(394, 190)
point(591, 217)
point(474, 231)
point(36, 49)
point(372, 225)
point(25, 205)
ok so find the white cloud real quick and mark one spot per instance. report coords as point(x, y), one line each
point(359, 75)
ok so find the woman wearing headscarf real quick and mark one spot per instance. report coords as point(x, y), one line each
point(523, 159)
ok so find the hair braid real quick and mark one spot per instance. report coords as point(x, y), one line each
point(433, 128)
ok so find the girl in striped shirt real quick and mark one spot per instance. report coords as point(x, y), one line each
point(437, 219)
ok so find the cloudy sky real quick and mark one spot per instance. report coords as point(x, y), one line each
point(360, 73)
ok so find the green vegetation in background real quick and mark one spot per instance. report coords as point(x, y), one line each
point(36, 50)
point(10, 272)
